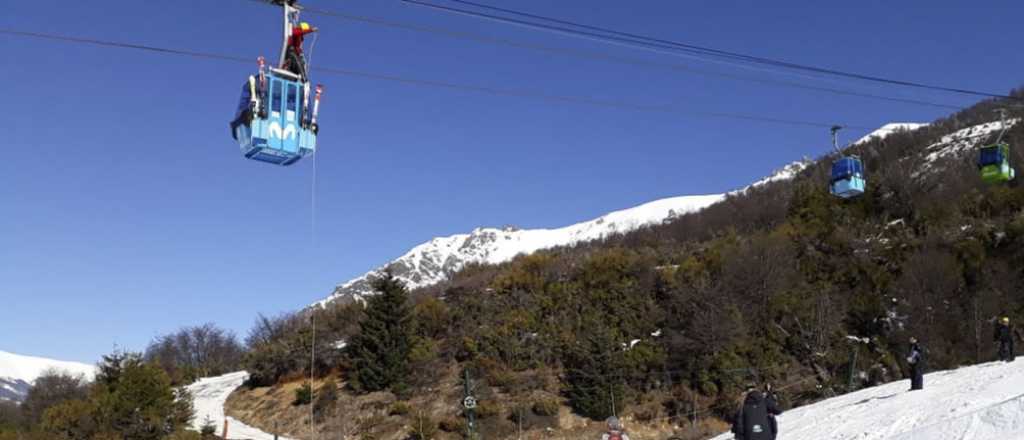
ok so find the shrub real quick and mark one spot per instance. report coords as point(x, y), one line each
point(546, 407)
point(453, 424)
point(399, 409)
point(423, 428)
point(51, 389)
point(326, 398)
point(519, 414)
point(303, 395)
point(188, 435)
point(208, 428)
point(486, 410)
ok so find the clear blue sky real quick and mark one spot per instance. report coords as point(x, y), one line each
point(126, 210)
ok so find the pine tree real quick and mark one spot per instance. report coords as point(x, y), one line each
point(130, 399)
point(380, 351)
point(595, 374)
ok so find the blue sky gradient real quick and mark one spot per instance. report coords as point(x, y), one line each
point(127, 211)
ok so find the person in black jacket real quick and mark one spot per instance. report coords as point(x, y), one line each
point(752, 418)
point(916, 361)
point(771, 401)
point(1004, 336)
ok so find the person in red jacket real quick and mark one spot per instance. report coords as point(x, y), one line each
point(294, 61)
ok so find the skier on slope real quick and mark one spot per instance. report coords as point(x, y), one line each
point(916, 360)
point(752, 421)
point(1004, 336)
point(615, 430)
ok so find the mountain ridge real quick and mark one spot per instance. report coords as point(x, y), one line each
point(19, 372)
point(435, 260)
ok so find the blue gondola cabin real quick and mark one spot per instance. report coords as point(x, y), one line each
point(847, 177)
point(273, 122)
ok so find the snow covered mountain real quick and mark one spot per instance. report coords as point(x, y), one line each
point(17, 373)
point(434, 261)
point(981, 402)
point(890, 128)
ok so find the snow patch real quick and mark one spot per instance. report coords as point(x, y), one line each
point(889, 129)
point(980, 402)
point(961, 142)
point(209, 395)
point(787, 172)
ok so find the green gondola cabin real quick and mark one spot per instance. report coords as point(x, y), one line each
point(994, 163)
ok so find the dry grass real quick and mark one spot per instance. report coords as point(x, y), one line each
point(373, 416)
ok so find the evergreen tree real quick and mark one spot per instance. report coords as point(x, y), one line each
point(130, 399)
point(380, 350)
point(595, 373)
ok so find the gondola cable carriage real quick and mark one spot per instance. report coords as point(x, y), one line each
point(994, 159)
point(275, 121)
point(847, 179)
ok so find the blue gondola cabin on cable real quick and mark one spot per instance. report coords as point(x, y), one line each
point(273, 122)
point(276, 118)
point(847, 177)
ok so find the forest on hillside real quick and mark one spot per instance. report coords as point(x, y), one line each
point(782, 283)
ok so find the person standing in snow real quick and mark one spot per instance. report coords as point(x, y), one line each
point(752, 418)
point(771, 401)
point(1004, 336)
point(916, 361)
point(615, 431)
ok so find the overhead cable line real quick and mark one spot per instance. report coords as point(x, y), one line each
point(614, 35)
point(604, 38)
point(611, 58)
point(435, 84)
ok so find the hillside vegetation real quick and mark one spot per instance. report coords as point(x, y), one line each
point(783, 283)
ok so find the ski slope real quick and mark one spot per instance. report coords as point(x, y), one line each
point(209, 395)
point(981, 402)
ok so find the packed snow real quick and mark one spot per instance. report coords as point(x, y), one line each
point(18, 373)
point(785, 173)
point(209, 395)
point(962, 141)
point(889, 129)
point(981, 402)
